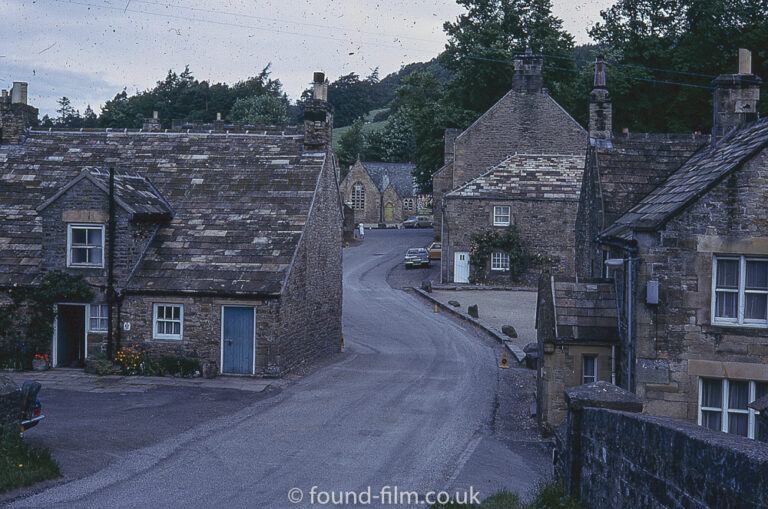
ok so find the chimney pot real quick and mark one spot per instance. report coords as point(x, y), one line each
point(19, 93)
point(218, 116)
point(318, 77)
point(745, 61)
point(155, 115)
point(625, 131)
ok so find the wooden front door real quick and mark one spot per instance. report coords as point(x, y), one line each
point(70, 335)
point(237, 338)
point(461, 267)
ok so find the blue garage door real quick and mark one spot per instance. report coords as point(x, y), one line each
point(238, 340)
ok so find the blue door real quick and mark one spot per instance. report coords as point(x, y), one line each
point(237, 340)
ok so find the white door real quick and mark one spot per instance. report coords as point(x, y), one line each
point(461, 267)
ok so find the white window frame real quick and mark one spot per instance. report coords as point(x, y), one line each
point(408, 204)
point(739, 321)
point(358, 196)
point(724, 410)
point(70, 226)
point(97, 317)
point(498, 215)
point(157, 335)
point(500, 261)
point(584, 359)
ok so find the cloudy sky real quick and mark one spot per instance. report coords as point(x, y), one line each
point(89, 50)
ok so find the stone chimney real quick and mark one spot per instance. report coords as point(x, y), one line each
point(318, 116)
point(449, 138)
point(528, 77)
point(736, 97)
point(152, 124)
point(600, 108)
point(16, 116)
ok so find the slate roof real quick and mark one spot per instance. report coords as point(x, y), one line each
point(524, 176)
point(240, 201)
point(586, 311)
point(694, 178)
point(400, 175)
point(132, 192)
point(631, 166)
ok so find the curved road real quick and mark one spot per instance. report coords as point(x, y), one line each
point(407, 404)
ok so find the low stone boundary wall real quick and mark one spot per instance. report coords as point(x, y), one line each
point(612, 457)
point(10, 406)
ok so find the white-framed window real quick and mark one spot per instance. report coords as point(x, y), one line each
point(588, 369)
point(358, 197)
point(85, 245)
point(723, 405)
point(408, 204)
point(501, 215)
point(97, 318)
point(168, 321)
point(499, 261)
point(740, 291)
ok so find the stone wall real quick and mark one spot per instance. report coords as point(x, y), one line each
point(201, 334)
point(371, 212)
point(85, 203)
point(520, 122)
point(612, 457)
point(310, 315)
point(15, 118)
point(546, 227)
point(675, 341)
point(10, 406)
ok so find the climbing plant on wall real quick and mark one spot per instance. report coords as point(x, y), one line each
point(484, 243)
point(26, 320)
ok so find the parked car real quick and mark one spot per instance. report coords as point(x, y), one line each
point(417, 257)
point(435, 250)
point(31, 409)
point(418, 222)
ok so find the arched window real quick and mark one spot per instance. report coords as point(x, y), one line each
point(358, 197)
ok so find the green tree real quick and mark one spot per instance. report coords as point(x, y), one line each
point(351, 145)
point(700, 37)
point(481, 40)
point(263, 109)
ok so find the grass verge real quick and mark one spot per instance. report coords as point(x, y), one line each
point(547, 496)
point(24, 465)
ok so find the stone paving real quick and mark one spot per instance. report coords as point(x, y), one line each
point(497, 308)
point(79, 381)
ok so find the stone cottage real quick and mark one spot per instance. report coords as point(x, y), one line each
point(227, 245)
point(526, 125)
point(380, 193)
point(688, 247)
point(577, 337)
point(538, 194)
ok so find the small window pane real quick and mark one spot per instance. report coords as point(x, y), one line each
point(711, 393)
point(78, 236)
point(94, 256)
point(160, 327)
point(727, 273)
point(755, 306)
point(176, 327)
point(761, 389)
point(79, 256)
point(726, 304)
point(176, 313)
point(737, 424)
point(757, 275)
point(738, 395)
point(588, 369)
point(711, 420)
point(94, 236)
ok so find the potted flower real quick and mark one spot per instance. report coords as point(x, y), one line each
point(40, 362)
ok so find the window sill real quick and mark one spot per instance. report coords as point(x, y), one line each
point(85, 266)
point(176, 339)
point(744, 330)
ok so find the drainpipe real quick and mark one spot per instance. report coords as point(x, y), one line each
point(617, 262)
point(442, 238)
point(110, 260)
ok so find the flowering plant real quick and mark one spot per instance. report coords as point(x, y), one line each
point(131, 359)
point(42, 357)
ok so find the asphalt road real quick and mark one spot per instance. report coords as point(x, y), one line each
point(412, 403)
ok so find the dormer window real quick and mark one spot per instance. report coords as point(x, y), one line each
point(85, 245)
